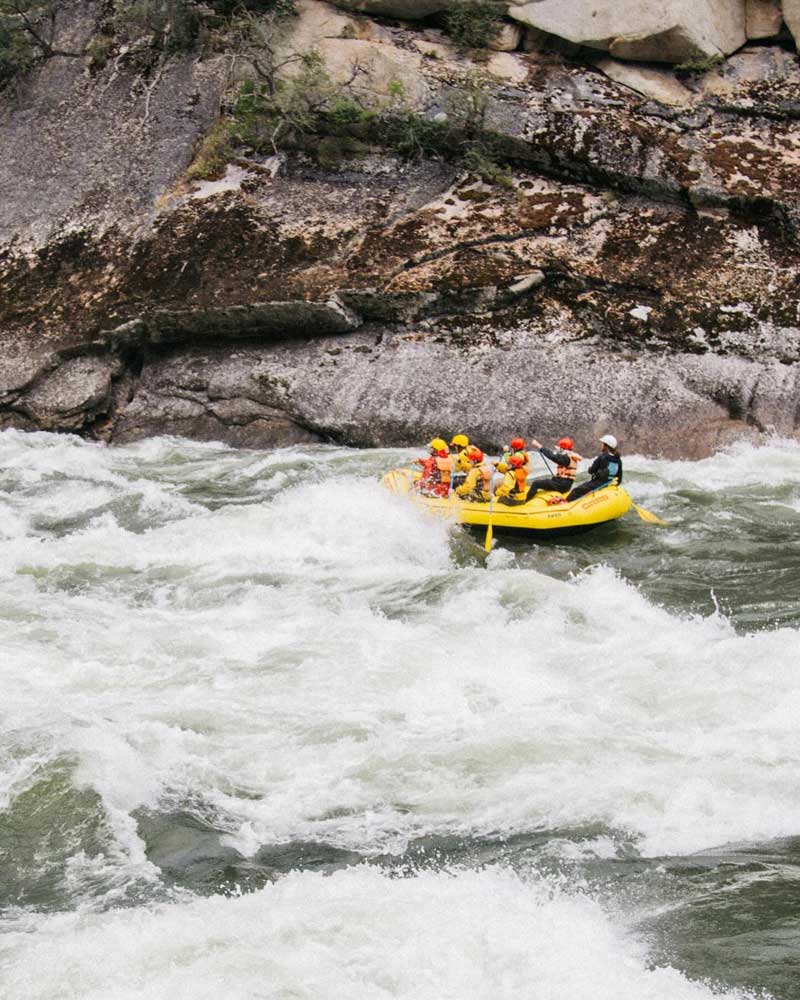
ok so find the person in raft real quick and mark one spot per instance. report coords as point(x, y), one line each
point(514, 487)
point(566, 461)
point(436, 470)
point(458, 448)
point(459, 445)
point(477, 484)
point(515, 447)
point(604, 469)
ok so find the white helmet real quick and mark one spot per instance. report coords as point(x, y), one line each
point(610, 440)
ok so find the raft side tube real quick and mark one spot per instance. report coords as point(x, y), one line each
point(598, 507)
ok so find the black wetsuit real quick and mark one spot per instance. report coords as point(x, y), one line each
point(607, 466)
point(561, 484)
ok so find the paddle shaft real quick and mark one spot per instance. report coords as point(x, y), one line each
point(546, 463)
point(487, 544)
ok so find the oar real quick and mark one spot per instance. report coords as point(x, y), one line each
point(646, 515)
point(546, 463)
point(488, 542)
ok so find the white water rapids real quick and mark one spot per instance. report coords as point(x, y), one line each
point(270, 643)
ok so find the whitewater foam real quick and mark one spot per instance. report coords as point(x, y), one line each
point(323, 652)
point(435, 936)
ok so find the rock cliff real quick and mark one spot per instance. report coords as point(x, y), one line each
point(634, 269)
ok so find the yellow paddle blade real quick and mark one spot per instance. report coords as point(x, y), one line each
point(646, 515)
point(488, 543)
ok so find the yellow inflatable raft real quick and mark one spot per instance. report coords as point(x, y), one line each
point(598, 507)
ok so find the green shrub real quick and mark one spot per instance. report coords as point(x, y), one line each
point(230, 8)
point(472, 24)
point(701, 63)
point(99, 50)
point(16, 52)
point(481, 160)
point(310, 112)
point(213, 154)
point(334, 148)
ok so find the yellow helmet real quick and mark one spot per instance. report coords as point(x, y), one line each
point(460, 440)
point(438, 444)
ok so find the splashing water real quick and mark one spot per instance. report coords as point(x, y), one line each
point(269, 729)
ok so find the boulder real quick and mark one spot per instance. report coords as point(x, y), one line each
point(381, 67)
point(508, 67)
point(763, 18)
point(507, 38)
point(316, 21)
point(655, 84)
point(72, 395)
point(752, 65)
point(673, 32)
point(434, 49)
point(791, 15)
point(351, 46)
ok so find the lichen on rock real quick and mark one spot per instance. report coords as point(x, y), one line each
point(640, 230)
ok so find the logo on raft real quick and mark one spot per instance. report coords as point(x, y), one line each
point(595, 502)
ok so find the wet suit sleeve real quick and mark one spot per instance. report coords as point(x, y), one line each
point(599, 468)
point(555, 456)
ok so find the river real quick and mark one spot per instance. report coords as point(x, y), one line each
point(270, 732)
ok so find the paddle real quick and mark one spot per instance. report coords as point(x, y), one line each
point(646, 515)
point(546, 463)
point(488, 542)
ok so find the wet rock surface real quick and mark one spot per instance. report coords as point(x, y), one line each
point(639, 271)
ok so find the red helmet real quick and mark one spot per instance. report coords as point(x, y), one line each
point(475, 454)
point(516, 461)
point(517, 444)
point(566, 442)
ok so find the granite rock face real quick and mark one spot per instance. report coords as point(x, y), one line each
point(638, 271)
point(364, 392)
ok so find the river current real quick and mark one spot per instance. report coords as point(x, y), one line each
point(270, 732)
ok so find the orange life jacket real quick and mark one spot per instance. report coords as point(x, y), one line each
point(445, 467)
point(568, 471)
point(521, 476)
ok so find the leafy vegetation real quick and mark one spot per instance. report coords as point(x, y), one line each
point(213, 155)
point(169, 25)
point(309, 112)
point(16, 51)
point(27, 34)
point(472, 24)
point(701, 64)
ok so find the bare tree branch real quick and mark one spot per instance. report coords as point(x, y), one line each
point(38, 21)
